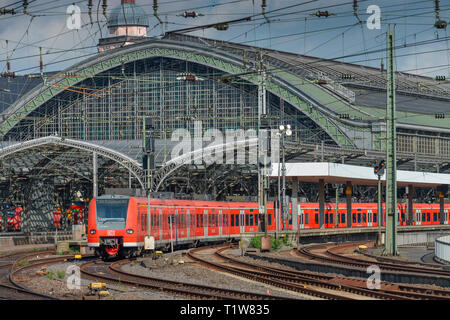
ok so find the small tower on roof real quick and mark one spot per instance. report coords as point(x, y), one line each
point(127, 24)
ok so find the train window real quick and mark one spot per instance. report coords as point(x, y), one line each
point(236, 219)
point(435, 216)
point(354, 217)
point(403, 216)
point(331, 218)
point(306, 218)
point(316, 218)
point(374, 215)
point(251, 220)
point(423, 216)
point(326, 217)
point(247, 220)
point(359, 217)
point(256, 219)
point(428, 216)
point(342, 217)
point(225, 220)
point(270, 219)
point(232, 220)
point(364, 217)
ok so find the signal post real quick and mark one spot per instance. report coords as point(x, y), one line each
point(379, 171)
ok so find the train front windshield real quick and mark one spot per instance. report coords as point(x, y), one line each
point(111, 213)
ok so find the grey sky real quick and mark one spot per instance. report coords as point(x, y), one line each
point(293, 29)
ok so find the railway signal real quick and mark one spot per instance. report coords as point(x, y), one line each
point(379, 171)
point(379, 168)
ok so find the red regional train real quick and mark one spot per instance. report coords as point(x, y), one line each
point(117, 225)
point(14, 219)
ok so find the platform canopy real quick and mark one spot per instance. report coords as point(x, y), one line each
point(341, 173)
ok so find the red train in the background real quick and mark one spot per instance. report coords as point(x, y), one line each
point(117, 225)
point(14, 219)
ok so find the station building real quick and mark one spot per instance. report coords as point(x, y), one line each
point(77, 133)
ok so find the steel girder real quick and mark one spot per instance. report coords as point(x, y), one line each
point(170, 166)
point(278, 85)
point(128, 163)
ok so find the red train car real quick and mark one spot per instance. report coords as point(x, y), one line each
point(117, 225)
point(14, 219)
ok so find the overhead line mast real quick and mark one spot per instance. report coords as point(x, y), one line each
point(391, 151)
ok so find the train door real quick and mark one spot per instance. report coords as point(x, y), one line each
point(241, 220)
point(175, 225)
point(188, 223)
point(160, 223)
point(446, 216)
point(369, 218)
point(220, 216)
point(301, 218)
point(418, 217)
point(205, 222)
point(214, 223)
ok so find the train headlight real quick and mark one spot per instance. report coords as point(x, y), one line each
point(92, 231)
point(130, 231)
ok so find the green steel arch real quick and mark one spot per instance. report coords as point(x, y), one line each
point(281, 84)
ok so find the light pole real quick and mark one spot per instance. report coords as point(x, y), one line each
point(284, 131)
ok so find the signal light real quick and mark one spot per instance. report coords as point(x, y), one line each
point(379, 168)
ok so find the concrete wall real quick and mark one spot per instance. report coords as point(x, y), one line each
point(417, 238)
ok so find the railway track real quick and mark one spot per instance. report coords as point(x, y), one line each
point(333, 257)
point(283, 279)
point(413, 291)
point(113, 273)
point(388, 291)
point(10, 289)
